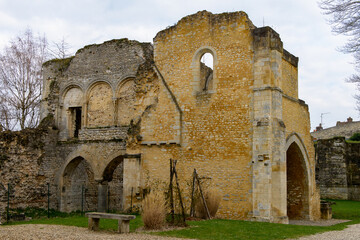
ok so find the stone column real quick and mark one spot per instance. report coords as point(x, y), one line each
point(131, 180)
point(269, 166)
point(115, 106)
point(85, 119)
point(102, 196)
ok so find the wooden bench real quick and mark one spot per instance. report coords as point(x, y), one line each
point(123, 220)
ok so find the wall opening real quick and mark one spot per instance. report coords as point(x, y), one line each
point(75, 119)
point(113, 174)
point(206, 71)
point(297, 184)
point(79, 189)
point(70, 116)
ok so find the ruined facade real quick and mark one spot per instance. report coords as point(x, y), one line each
point(122, 109)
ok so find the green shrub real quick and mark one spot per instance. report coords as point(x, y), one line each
point(355, 137)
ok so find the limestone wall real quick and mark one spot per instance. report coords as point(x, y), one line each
point(296, 120)
point(213, 140)
point(25, 166)
point(338, 169)
point(103, 133)
point(290, 73)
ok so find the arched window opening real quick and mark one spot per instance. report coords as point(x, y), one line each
point(206, 71)
point(71, 115)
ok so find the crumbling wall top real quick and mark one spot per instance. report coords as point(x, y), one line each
point(114, 56)
point(214, 19)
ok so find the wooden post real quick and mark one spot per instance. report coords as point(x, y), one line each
point(131, 202)
point(192, 207)
point(123, 226)
point(93, 224)
point(172, 212)
point(179, 192)
point(202, 196)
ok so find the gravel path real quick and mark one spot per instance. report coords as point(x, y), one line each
point(318, 222)
point(51, 232)
point(352, 232)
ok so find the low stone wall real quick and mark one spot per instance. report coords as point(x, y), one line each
point(103, 133)
point(338, 169)
point(24, 167)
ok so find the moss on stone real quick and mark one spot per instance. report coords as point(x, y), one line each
point(62, 63)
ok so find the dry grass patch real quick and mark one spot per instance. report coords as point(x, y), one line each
point(212, 198)
point(154, 211)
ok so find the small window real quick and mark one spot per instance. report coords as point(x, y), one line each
point(75, 124)
point(206, 71)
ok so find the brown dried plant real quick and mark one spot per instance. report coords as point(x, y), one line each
point(154, 211)
point(212, 198)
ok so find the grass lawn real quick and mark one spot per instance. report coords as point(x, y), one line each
point(226, 229)
point(233, 229)
point(82, 221)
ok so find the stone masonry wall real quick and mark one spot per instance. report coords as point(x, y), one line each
point(212, 140)
point(103, 133)
point(24, 165)
point(338, 169)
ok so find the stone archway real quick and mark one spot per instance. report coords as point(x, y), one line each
point(120, 183)
point(297, 182)
point(78, 188)
point(113, 176)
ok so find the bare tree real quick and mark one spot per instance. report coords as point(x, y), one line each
point(345, 19)
point(60, 49)
point(21, 80)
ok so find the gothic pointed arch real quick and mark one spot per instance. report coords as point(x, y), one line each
point(298, 175)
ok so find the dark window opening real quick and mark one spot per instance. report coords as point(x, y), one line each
point(77, 121)
point(75, 124)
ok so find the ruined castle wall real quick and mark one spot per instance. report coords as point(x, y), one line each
point(25, 166)
point(213, 141)
point(296, 120)
point(338, 169)
point(103, 74)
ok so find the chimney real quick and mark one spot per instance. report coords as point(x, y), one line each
point(318, 128)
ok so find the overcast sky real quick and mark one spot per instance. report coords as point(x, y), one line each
point(302, 28)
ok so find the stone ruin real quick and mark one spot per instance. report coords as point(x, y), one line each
point(115, 113)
